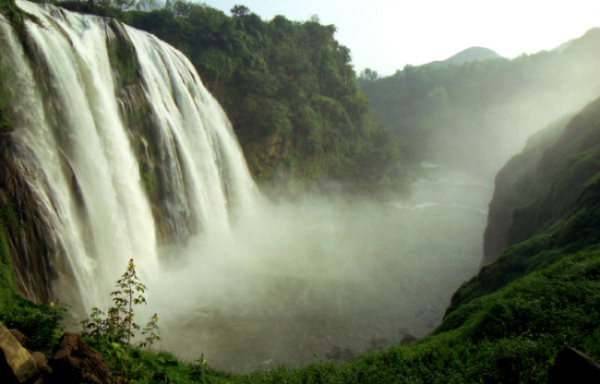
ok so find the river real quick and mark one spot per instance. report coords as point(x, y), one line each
point(320, 278)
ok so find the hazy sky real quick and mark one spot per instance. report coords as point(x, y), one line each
point(385, 35)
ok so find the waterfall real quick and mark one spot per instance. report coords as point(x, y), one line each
point(122, 166)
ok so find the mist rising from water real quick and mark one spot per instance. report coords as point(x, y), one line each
point(71, 134)
point(295, 280)
point(288, 281)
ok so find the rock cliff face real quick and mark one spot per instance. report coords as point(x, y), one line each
point(110, 147)
point(28, 237)
point(546, 205)
point(516, 186)
point(543, 183)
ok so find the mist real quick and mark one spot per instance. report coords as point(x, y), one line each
point(295, 280)
point(481, 139)
point(242, 280)
point(325, 278)
point(474, 117)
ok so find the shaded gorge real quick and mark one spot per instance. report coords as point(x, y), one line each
point(119, 152)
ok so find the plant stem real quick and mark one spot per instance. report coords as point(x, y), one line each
point(130, 319)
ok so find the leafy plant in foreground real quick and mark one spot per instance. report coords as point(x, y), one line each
point(41, 324)
point(116, 326)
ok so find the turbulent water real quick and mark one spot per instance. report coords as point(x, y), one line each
point(245, 282)
point(70, 129)
point(306, 281)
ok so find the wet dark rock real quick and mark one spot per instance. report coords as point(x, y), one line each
point(379, 344)
point(22, 339)
point(75, 362)
point(572, 366)
point(340, 355)
point(41, 362)
point(26, 227)
point(408, 339)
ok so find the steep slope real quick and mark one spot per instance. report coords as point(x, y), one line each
point(515, 187)
point(508, 323)
point(555, 206)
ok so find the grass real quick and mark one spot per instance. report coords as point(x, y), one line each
point(505, 325)
point(510, 335)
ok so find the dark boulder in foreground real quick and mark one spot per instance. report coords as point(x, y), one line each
point(572, 366)
point(75, 362)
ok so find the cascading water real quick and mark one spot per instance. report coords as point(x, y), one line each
point(71, 126)
point(128, 156)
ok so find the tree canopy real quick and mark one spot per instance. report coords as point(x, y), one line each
point(239, 10)
point(288, 88)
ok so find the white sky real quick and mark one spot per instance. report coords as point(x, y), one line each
point(385, 35)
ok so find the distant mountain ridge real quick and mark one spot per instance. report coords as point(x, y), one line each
point(589, 38)
point(465, 56)
point(455, 113)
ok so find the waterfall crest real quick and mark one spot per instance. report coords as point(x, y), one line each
point(124, 160)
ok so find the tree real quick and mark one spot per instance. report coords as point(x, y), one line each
point(122, 4)
point(118, 325)
point(239, 10)
point(368, 75)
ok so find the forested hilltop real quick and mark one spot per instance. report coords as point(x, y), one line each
point(476, 115)
point(505, 325)
point(288, 88)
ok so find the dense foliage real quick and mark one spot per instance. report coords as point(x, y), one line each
point(560, 214)
point(509, 322)
point(479, 113)
point(42, 325)
point(288, 88)
point(505, 325)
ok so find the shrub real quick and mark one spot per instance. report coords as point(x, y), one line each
point(116, 326)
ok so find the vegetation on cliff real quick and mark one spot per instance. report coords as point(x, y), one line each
point(508, 323)
point(505, 325)
point(288, 88)
point(515, 187)
point(559, 213)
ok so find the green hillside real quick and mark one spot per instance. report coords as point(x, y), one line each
point(288, 88)
point(507, 323)
point(477, 115)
